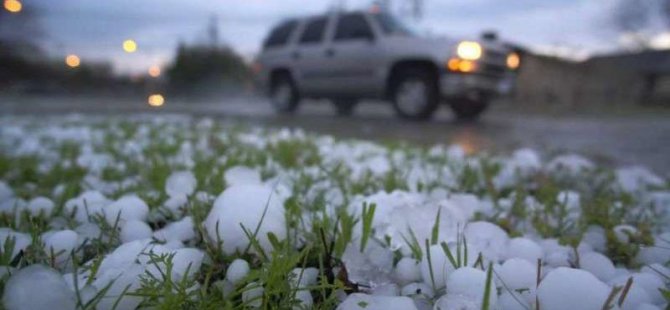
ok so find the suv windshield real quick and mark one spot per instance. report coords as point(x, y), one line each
point(392, 25)
point(280, 35)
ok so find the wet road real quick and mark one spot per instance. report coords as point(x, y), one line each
point(611, 140)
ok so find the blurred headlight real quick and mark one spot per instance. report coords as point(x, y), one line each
point(469, 50)
point(513, 61)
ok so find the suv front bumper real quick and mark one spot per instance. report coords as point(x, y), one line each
point(466, 84)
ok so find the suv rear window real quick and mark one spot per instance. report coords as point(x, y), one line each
point(351, 27)
point(314, 30)
point(280, 35)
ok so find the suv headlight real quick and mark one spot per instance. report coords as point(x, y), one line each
point(469, 50)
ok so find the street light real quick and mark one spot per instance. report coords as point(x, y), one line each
point(156, 100)
point(154, 71)
point(129, 46)
point(13, 6)
point(72, 61)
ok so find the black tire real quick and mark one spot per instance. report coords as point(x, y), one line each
point(466, 109)
point(432, 97)
point(288, 101)
point(344, 107)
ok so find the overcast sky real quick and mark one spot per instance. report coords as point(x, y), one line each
point(95, 29)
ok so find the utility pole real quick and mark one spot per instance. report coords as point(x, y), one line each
point(213, 32)
point(417, 9)
point(413, 8)
point(339, 5)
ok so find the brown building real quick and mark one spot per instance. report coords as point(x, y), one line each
point(617, 79)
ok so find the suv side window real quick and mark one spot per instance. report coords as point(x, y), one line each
point(314, 31)
point(353, 27)
point(280, 35)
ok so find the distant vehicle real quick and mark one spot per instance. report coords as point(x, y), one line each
point(350, 56)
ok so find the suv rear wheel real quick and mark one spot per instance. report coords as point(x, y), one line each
point(344, 107)
point(284, 95)
point(467, 109)
point(415, 94)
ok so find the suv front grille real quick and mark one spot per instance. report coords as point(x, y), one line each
point(494, 57)
point(494, 63)
point(493, 69)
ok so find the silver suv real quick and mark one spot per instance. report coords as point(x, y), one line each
point(350, 56)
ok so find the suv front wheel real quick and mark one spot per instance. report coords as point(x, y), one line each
point(284, 95)
point(415, 94)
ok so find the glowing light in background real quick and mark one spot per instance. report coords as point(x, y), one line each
point(154, 71)
point(257, 68)
point(470, 140)
point(129, 46)
point(156, 100)
point(513, 61)
point(72, 61)
point(13, 6)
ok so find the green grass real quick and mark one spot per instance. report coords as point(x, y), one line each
point(319, 228)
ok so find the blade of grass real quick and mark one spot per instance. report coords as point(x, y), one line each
point(435, 232)
point(430, 265)
point(368, 215)
point(487, 289)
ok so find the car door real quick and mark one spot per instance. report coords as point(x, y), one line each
point(309, 55)
point(351, 57)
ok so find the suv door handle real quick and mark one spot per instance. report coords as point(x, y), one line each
point(330, 52)
point(295, 55)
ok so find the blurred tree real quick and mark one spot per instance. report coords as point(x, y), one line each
point(635, 19)
point(213, 31)
point(202, 69)
point(207, 67)
point(25, 68)
point(20, 33)
point(19, 45)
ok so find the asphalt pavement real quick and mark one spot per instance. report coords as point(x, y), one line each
point(614, 140)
